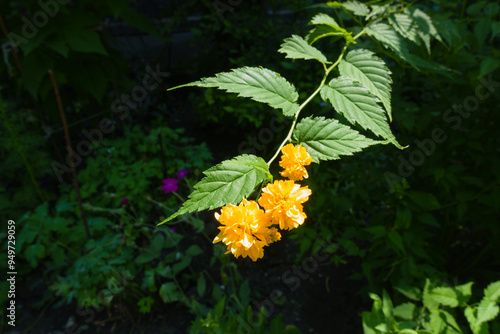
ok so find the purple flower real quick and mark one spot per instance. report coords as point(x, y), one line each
point(124, 201)
point(173, 229)
point(169, 185)
point(182, 173)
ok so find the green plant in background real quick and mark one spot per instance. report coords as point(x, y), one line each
point(136, 264)
point(428, 66)
point(444, 310)
point(23, 152)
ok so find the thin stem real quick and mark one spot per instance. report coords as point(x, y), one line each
point(462, 12)
point(70, 151)
point(296, 117)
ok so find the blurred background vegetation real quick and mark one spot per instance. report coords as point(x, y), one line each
point(390, 226)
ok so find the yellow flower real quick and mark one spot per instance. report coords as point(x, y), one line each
point(293, 160)
point(245, 229)
point(283, 201)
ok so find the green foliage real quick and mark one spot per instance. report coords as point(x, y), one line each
point(260, 84)
point(134, 263)
point(229, 182)
point(363, 66)
point(327, 140)
point(441, 311)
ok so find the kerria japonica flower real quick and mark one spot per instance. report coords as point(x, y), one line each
point(293, 160)
point(283, 200)
point(182, 173)
point(246, 229)
point(169, 185)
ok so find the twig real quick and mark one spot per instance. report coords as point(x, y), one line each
point(70, 151)
point(14, 47)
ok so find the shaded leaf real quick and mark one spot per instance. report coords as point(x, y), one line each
point(358, 105)
point(372, 72)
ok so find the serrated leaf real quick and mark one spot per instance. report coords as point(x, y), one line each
point(389, 38)
point(426, 28)
point(327, 139)
point(445, 296)
point(492, 291)
point(487, 310)
point(227, 182)
point(405, 311)
point(406, 26)
point(358, 8)
point(358, 105)
point(387, 309)
point(427, 299)
point(259, 84)
point(372, 72)
point(464, 293)
point(324, 19)
point(296, 47)
point(322, 31)
point(411, 292)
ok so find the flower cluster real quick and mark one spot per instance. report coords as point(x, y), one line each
point(246, 228)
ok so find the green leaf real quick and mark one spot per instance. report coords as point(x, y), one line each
point(168, 292)
point(445, 296)
point(322, 31)
point(358, 105)
point(389, 38)
point(296, 47)
point(488, 65)
point(145, 304)
point(429, 302)
point(157, 244)
point(411, 292)
point(405, 311)
point(406, 26)
point(426, 28)
point(194, 250)
point(368, 323)
point(259, 84)
point(201, 285)
point(387, 309)
point(358, 8)
point(244, 293)
point(487, 310)
point(35, 252)
point(326, 20)
point(327, 139)
point(492, 291)
point(372, 72)
point(426, 201)
point(396, 241)
point(464, 293)
point(228, 182)
point(58, 44)
point(84, 41)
